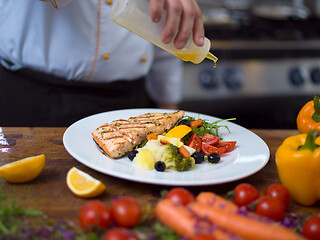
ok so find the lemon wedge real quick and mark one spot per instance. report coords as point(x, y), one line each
point(178, 132)
point(83, 185)
point(23, 170)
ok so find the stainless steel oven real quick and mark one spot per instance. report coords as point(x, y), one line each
point(269, 62)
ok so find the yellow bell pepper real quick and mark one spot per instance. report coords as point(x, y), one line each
point(309, 116)
point(298, 164)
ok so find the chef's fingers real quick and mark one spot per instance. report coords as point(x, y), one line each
point(174, 13)
point(198, 28)
point(187, 23)
point(156, 9)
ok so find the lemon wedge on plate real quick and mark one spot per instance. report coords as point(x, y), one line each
point(23, 170)
point(83, 185)
point(178, 132)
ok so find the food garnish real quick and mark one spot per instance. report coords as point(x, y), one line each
point(83, 185)
point(178, 132)
point(206, 127)
point(23, 170)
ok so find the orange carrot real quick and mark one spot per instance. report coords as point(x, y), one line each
point(151, 136)
point(185, 223)
point(184, 152)
point(196, 123)
point(164, 141)
point(214, 200)
point(243, 226)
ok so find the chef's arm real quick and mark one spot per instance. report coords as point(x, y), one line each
point(184, 19)
point(164, 81)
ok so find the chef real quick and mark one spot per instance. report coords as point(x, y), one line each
point(64, 61)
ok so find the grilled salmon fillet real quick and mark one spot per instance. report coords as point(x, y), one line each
point(123, 135)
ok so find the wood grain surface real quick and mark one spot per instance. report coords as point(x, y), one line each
point(50, 194)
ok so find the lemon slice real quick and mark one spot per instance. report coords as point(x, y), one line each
point(178, 132)
point(23, 170)
point(83, 185)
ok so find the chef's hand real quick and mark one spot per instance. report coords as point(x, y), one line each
point(184, 15)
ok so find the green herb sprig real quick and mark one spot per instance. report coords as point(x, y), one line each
point(10, 215)
point(207, 127)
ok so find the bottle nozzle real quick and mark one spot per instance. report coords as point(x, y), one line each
point(213, 58)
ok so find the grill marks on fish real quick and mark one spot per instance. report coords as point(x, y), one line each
point(122, 135)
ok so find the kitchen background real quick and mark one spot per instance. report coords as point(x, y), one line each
point(269, 61)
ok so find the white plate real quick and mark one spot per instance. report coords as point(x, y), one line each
point(249, 156)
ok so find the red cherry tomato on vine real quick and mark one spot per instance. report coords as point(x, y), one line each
point(119, 233)
point(271, 207)
point(279, 191)
point(244, 194)
point(180, 195)
point(125, 212)
point(94, 215)
point(203, 237)
point(311, 229)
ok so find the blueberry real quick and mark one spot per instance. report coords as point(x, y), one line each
point(198, 157)
point(160, 166)
point(132, 154)
point(214, 158)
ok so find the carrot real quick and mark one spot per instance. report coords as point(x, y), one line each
point(184, 152)
point(243, 226)
point(151, 136)
point(164, 141)
point(185, 223)
point(196, 123)
point(213, 200)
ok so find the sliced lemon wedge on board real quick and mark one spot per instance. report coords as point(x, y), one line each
point(23, 170)
point(83, 185)
point(178, 132)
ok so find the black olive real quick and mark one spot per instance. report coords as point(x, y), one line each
point(214, 158)
point(184, 122)
point(198, 157)
point(160, 166)
point(132, 154)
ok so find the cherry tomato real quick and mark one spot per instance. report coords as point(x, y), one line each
point(125, 212)
point(180, 195)
point(94, 215)
point(210, 139)
point(271, 207)
point(203, 237)
point(244, 194)
point(208, 149)
point(119, 233)
point(195, 142)
point(279, 191)
point(226, 145)
point(311, 229)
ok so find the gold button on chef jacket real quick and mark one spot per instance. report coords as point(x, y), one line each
point(78, 41)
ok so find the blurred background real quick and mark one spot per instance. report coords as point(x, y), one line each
point(269, 61)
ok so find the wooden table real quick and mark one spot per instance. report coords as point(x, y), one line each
point(50, 194)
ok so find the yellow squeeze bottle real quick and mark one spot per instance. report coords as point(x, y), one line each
point(134, 15)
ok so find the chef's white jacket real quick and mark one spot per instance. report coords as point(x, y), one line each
point(78, 41)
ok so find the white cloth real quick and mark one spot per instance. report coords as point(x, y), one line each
point(79, 42)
